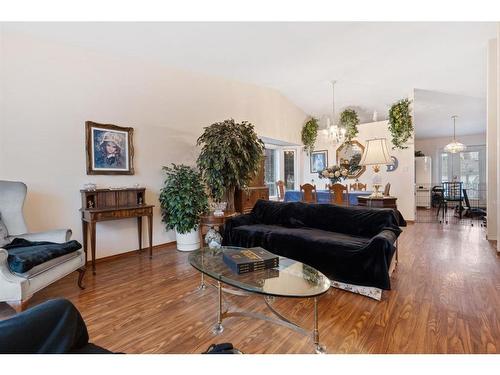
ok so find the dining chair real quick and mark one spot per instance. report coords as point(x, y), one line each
point(472, 212)
point(438, 198)
point(339, 194)
point(308, 193)
point(281, 190)
point(357, 186)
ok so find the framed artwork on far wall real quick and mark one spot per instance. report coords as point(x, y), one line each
point(109, 149)
point(318, 161)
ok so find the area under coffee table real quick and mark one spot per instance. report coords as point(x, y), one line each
point(291, 279)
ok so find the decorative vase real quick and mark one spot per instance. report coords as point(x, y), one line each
point(188, 241)
point(213, 239)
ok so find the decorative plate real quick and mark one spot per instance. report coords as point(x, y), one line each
point(392, 167)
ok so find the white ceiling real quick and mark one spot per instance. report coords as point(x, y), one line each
point(375, 64)
point(433, 111)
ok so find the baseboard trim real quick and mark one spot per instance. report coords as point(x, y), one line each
point(130, 253)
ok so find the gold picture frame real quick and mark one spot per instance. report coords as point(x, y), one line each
point(109, 149)
point(346, 152)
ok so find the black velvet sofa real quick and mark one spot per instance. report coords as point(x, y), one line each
point(53, 327)
point(352, 245)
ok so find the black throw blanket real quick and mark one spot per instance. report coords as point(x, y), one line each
point(354, 245)
point(24, 254)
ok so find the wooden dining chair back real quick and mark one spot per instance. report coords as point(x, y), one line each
point(281, 190)
point(357, 186)
point(339, 194)
point(308, 193)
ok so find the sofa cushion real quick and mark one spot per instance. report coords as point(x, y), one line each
point(44, 267)
point(342, 257)
point(357, 221)
point(339, 240)
point(25, 255)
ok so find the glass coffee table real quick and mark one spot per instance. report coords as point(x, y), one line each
point(291, 279)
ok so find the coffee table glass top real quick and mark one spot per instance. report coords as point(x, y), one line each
point(289, 279)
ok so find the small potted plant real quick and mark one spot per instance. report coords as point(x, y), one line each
point(183, 199)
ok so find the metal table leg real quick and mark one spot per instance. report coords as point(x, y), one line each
point(218, 328)
point(202, 285)
point(319, 349)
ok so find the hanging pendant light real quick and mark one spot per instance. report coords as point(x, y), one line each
point(454, 146)
point(330, 129)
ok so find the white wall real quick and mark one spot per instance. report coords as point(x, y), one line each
point(498, 132)
point(491, 136)
point(402, 179)
point(50, 89)
point(2, 135)
point(433, 146)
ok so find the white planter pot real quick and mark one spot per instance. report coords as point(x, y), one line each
point(188, 241)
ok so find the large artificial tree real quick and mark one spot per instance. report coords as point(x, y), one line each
point(230, 158)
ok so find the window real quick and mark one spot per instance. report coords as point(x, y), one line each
point(270, 170)
point(444, 168)
point(289, 169)
point(469, 167)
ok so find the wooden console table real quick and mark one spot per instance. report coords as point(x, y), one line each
point(380, 202)
point(114, 204)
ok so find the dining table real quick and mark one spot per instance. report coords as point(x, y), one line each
point(324, 196)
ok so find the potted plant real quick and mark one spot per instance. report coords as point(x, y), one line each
point(400, 123)
point(230, 157)
point(183, 200)
point(349, 119)
point(309, 134)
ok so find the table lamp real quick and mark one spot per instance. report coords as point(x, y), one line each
point(376, 153)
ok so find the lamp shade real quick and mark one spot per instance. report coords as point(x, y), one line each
point(376, 153)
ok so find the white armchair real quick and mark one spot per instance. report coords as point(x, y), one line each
point(16, 289)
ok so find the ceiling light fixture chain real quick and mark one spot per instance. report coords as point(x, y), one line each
point(332, 130)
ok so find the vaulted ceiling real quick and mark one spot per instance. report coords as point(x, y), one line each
point(375, 64)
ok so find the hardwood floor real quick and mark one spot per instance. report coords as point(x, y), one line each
point(445, 298)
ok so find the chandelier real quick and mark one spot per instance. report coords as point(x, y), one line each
point(454, 146)
point(330, 129)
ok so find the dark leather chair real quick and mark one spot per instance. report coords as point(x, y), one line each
point(472, 212)
point(53, 327)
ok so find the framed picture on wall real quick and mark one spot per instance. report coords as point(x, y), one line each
point(319, 160)
point(109, 149)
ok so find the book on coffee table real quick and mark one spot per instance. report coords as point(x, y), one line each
point(248, 260)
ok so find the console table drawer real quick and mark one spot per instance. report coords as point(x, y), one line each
point(109, 215)
point(120, 214)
